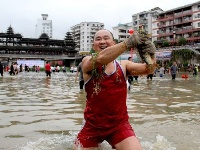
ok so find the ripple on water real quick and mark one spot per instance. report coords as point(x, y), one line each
point(36, 111)
point(182, 90)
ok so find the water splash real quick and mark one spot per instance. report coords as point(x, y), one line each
point(66, 142)
point(160, 144)
point(57, 142)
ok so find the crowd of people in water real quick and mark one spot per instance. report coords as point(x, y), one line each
point(15, 68)
point(160, 71)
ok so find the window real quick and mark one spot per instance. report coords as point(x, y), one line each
point(198, 24)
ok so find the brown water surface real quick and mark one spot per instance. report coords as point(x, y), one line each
point(39, 113)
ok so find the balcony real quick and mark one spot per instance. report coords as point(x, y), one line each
point(181, 14)
point(178, 22)
point(184, 30)
point(162, 25)
point(178, 14)
point(160, 34)
point(193, 38)
point(143, 21)
point(186, 20)
point(165, 18)
point(187, 12)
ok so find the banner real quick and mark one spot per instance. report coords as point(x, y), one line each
point(165, 55)
point(31, 63)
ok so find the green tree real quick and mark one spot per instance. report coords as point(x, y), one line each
point(182, 41)
point(165, 44)
point(184, 55)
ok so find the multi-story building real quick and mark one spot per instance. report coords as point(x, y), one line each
point(120, 32)
point(179, 22)
point(44, 26)
point(83, 34)
point(145, 18)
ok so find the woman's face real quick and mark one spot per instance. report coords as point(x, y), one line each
point(102, 40)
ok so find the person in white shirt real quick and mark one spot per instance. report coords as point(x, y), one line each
point(161, 71)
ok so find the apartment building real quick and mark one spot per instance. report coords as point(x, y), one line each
point(44, 26)
point(120, 32)
point(83, 34)
point(179, 22)
point(146, 18)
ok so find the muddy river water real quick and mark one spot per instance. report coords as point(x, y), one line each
point(39, 113)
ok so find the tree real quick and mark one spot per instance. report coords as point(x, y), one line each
point(182, 41)
point(184, 55)
point(165, 44)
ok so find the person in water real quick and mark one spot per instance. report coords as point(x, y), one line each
point(105, 114)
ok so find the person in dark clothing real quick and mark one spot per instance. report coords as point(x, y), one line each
point(80, 73)
point(173, 70)
point(1, 69)
point(150, 76)
point(12, 72)
point(130, 78)
point(195, 70)
point(136, 78)
point(20, 68)
point(26, 68)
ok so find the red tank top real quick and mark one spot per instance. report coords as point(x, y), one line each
point(106, 105)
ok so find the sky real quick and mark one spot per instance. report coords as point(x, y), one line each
point(22, 15)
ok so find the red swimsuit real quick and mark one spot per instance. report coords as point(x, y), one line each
point(106, 116)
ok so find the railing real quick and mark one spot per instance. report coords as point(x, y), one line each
point(194, 48)
point(37, 56)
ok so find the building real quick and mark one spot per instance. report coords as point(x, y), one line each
point(120, 32)
point(146, 18)
point(44, 26)
point(179, 22)
point(14, 46)
point(83, 34)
